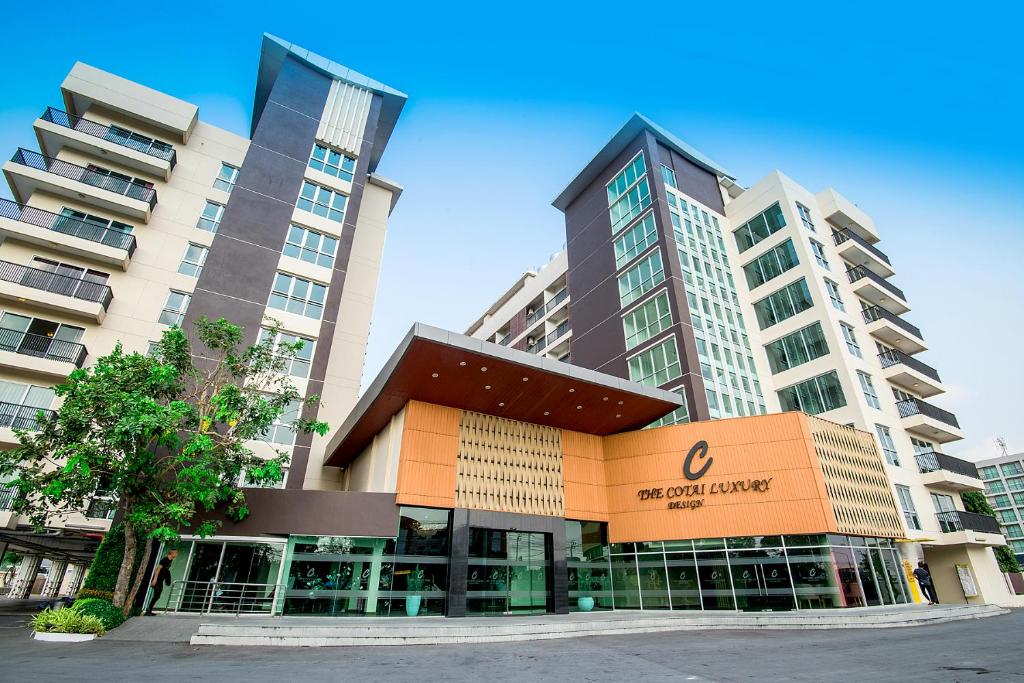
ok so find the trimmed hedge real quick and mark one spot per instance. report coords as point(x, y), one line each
point(102, 577)
point(66, 621)
point(103, 610)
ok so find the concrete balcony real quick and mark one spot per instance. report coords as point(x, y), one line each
point(893, 330)
point(56, 129)
point(30, 171)
point(8, 518)
point(39, 354)
point(66, 234)
point(55, 292)
point(844, 214)
point(14, 417)
point(860, 252)
point(931, 422)
point(910, 373)
point(939, 470)
point(958, 527)
point(877, 290)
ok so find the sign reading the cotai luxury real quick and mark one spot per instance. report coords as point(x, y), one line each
point(692, 496)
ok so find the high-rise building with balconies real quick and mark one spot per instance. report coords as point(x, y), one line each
point(134, 214)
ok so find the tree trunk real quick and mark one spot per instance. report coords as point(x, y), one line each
point(124, 574)
point(139, 576)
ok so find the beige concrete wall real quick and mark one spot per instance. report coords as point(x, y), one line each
point(376, 468)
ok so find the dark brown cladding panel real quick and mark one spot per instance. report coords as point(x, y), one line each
point(693, 180)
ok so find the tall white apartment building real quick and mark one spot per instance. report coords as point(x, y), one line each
point(1004, 488)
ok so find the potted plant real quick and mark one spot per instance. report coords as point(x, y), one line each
point(413, 584)
point(585, 603)
point(66, 625)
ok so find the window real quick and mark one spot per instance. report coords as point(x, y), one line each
point(322, 202)
point(680, 415)
point(90, 227)
point(851, 340)
point(20, 403)
point(669, 176)
point(771, 264)
point(226, 178)
point(332, 162)
point(805, 216)
point(128, 138)
point(1013, 530)
point(282, 431)
point(641, 278)
point(1016, 484)
point(245, 482)
point(888, 447)
point(1001, 501)
point(626, 178)
point(921, 446)
point(796, 349)
point(1011, 469)
point(635, 240)
point(834, 295)
point(174, 309)
point(116, 182)
point(783, 304)
point(657, 365)
point(760, 227)
point(298, 295)
point(298, 364)
point(870, 395)
point(649, 319)
point(816, 395)
point(193, 260)
point(989, 472)
point(310, 246)
point(1018, 547)
point(995, 486)
point(75, 281)
point(1006, 516)
point(819, 254)
point(1018, 499)
point(907, 504)
point(210, 218)
point(630, 206)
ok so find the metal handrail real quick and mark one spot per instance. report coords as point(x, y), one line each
point(505, 340)
point(131, 189)
point(17, 416)
point(855, 273)
point(66, 225)
point(546, 308)
point(951, 521)
point(558, 332)
point(891, 357)
point(48, 281)
point(873, 313)
point(932, 462)
point(840, 236)
point(915, 406)
point(41, 346)
point(223, 597)
point(137, 141)
point(8, 494)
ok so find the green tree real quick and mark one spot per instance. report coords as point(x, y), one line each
point(975, 501)
point(166, 433)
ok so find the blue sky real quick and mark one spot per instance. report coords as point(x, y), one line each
point(914, 116)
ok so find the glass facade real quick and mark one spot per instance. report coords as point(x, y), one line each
point(509, 572)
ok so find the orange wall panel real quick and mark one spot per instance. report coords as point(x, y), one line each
point(430, 444)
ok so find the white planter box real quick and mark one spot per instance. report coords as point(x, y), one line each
point(64, 637)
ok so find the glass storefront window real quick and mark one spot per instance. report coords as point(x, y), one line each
point(683, 585)
point(715, 582)
point(586, 554)
point(509, 572)
point(862, 561)
point(625, 582)
point(653, 581)
point(816, 581)
point(761, 579)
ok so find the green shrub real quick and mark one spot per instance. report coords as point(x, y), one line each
point(103, 610)
point(93, 593)
point(66, 621)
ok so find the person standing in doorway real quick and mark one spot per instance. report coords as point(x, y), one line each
point(924, 578)
point(161, 578)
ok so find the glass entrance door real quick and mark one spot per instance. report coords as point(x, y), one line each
point(509, 572)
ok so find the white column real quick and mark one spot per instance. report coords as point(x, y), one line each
point(55, 578)
point(73, 580)
point(28, 568)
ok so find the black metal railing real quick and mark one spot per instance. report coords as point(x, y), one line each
point(505, 340)
point(860, 272)
point(549, 306)
point(67, 225)
point(537, 346)
point(844, 235)
point(932, 462)
point(115, 184)
point(558, 332)
point(8, 494)
point(916, 406)
point(119, 136)
point(56, 283)
point(23, 417)
point(893, 357)
point(957, 520)
point(873, 313)
point(41, 346)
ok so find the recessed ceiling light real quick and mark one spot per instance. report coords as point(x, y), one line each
point(571, 390)
point(501, 405)
point(579, 407)
point(434, 375)
point(487, 386)
point(620, 403)
point(483, 368)
point(547, 412)
point(526, 379)
point(605, 398)
point(618, 415)
point(462, 364)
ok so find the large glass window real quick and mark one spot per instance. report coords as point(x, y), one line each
point(816, 395)
point(798, 348)
point(850, 337)
point(641, 278)
point(771, 264)
point(626, 178)
point(298, 364)
point(669, 176)
point(647, 320)
point(193, 260)
point(282, 430)
point(322, 201)
point(907, 505)
point(868, 387)
point(783, 304)
point(989, 472)
point(1011, 469)
point(888, 446)
point(298, 295)
point(635, 240)
point(805, 216)
point(656, 366)
point(509, 572)
point(760, 227)
point(310, 246)
point(210, 218)
point(174, 310)
point(332, 162)
point(227, 178)
point(586, 554)
point(834, 295)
